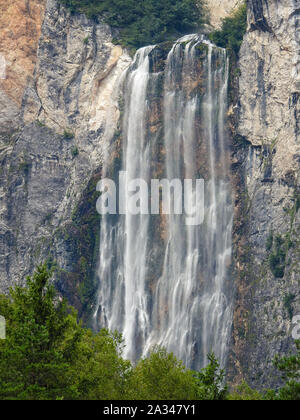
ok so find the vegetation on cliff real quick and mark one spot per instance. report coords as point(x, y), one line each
point(47, 354)
point(147, 22)
point(233, 29)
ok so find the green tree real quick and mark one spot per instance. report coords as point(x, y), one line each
point(161, 377)
point(100, 372)
point(211, 381)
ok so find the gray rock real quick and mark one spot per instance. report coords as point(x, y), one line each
point(269, 121)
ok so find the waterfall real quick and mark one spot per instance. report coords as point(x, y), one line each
point(161, 281)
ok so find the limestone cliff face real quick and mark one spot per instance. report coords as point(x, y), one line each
point(219, 9)
point(51, 159)
point(20, 27)
point(59, 112)
point(267, 163)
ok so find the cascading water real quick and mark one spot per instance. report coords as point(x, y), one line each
point(161, 281)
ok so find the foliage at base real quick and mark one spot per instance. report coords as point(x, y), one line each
point(48, 355)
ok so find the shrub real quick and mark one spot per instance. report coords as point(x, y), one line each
point(289, 366)
point(288, 302)
point(211, 382)
point(68, 135)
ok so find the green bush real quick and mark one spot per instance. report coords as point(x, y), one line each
point(48, 355)
point(289, 366)
point(244, 392)
point(161, 377)
point(233, 29)
point(144, 22)
point(211, 382)
point(75, 152)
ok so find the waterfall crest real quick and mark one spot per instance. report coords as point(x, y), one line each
point(161, 281)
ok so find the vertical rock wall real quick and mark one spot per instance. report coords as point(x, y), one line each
point(266, 162)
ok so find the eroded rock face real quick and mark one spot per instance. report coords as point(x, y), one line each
point(78, 69)
point(267, 163)
point(20, 28)
point(51, 158)
point(48, 179)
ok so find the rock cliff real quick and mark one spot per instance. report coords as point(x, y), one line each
point(266, 162)
point(20, 27)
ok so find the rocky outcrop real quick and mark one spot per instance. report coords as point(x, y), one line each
point(266, 162)
point(257, 17)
